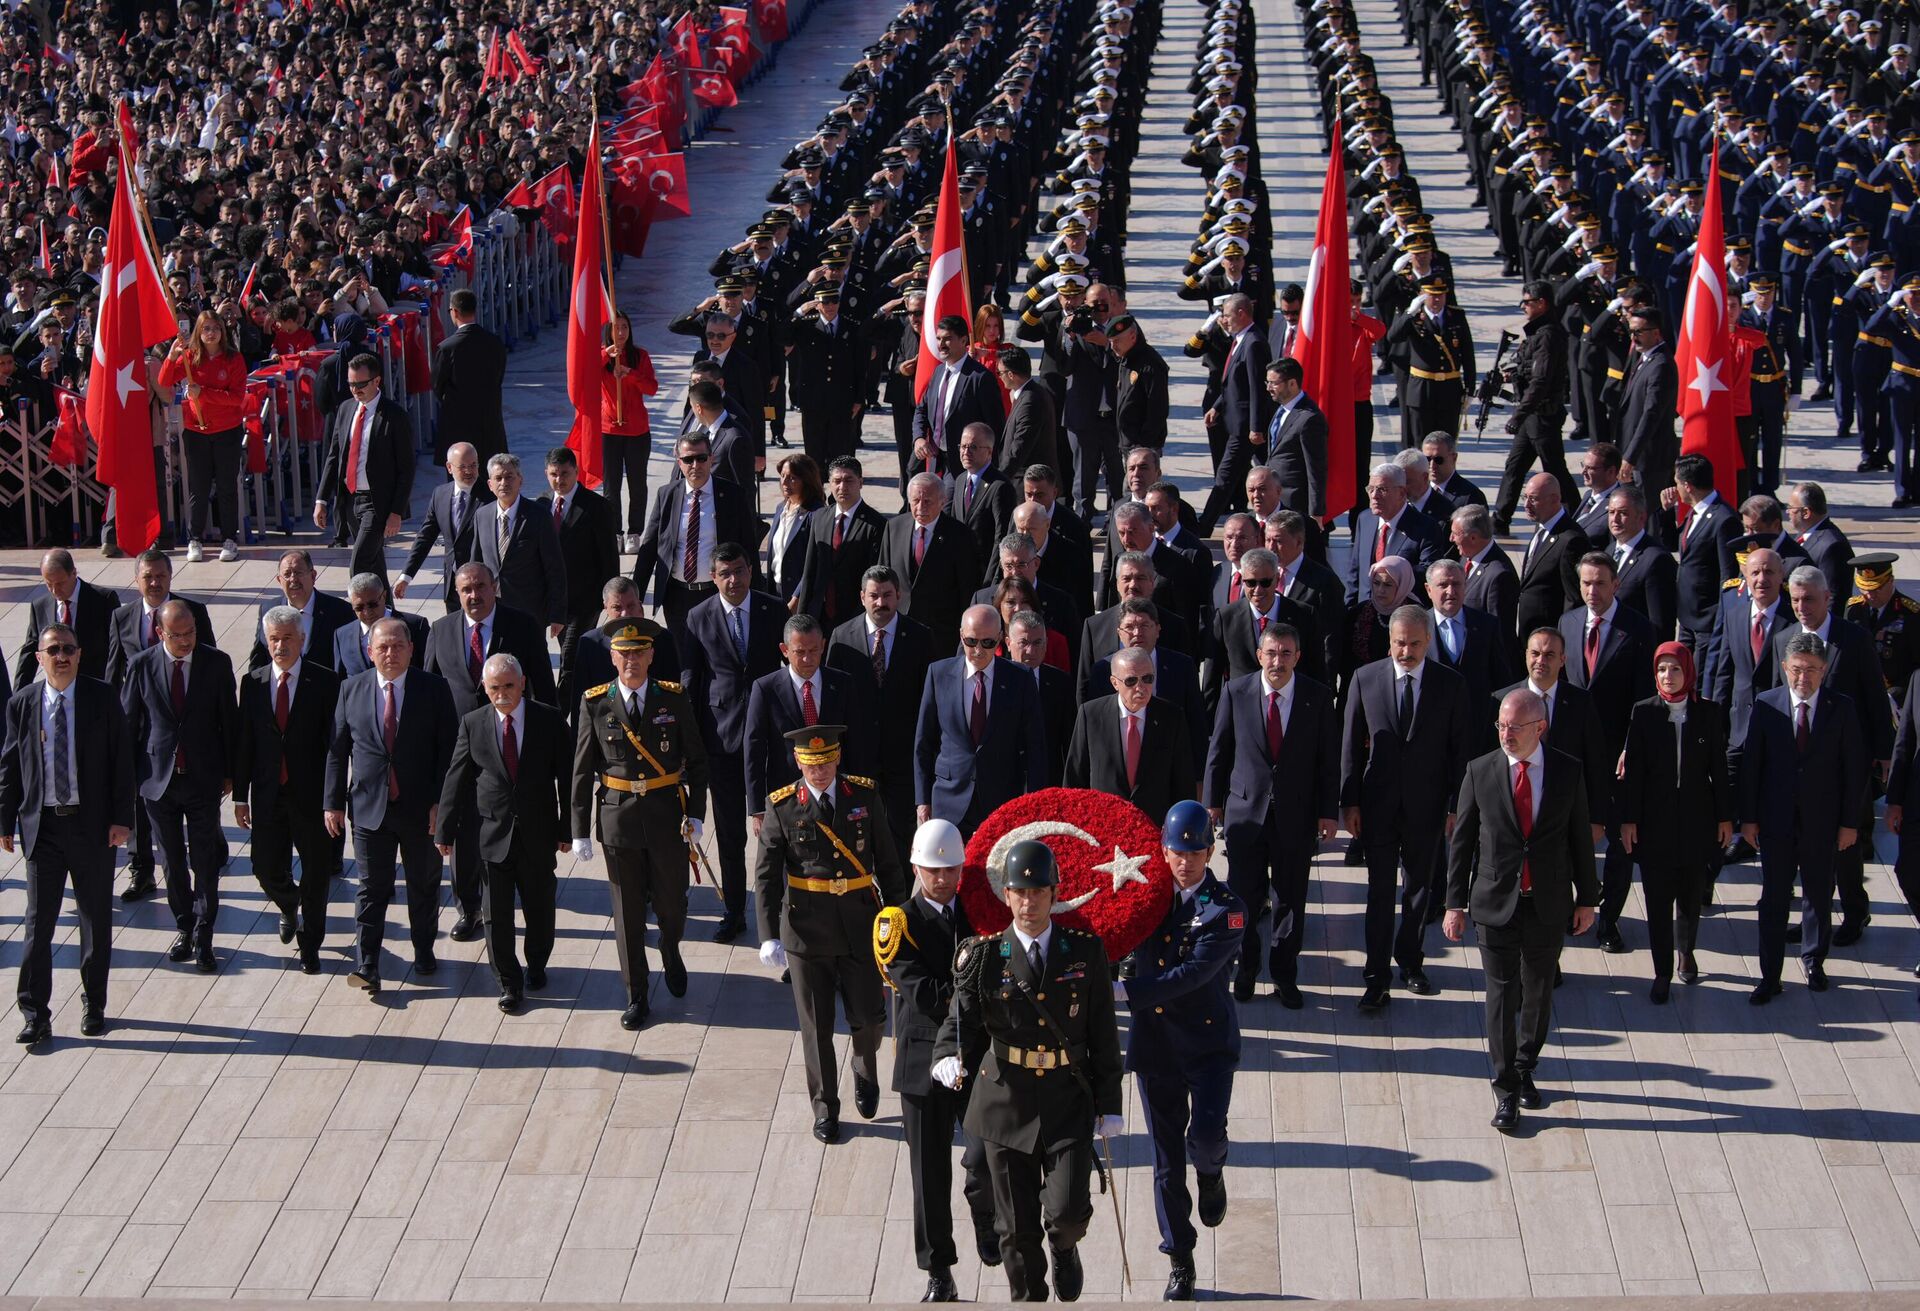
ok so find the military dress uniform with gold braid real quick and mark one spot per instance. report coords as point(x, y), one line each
point(642, 772)
point(1439, 367)
point(826, 865)
point(1895, 626)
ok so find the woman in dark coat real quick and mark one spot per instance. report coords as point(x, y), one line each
point(1676, 808)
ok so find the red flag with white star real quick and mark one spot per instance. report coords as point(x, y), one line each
point(1703, 350)
point(589, 311)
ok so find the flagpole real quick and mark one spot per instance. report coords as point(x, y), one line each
point(140, 208)
point(606, 247)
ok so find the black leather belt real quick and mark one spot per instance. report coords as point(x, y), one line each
point(62, 811)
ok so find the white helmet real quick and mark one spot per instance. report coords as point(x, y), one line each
point(937, 845)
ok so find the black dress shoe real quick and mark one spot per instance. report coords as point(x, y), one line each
point(1289, 996)
point(1689, 968)
point(1418, 983)
point(633, 1017)
point(731, 928)
point(940, 1287)
point(139, 888)
point(1243, 988)
point(1559, 976)
point(1902, 503)
point(1179, 1281)
point(827, 1129)
point(1850, 930)
point(1821, 394)
point(1375, 997)
point(203, 959)
point(1213, 1198)
point(1738, 852)
point(289, 926)
point(180, 950)
point(1531, 1098)
point(1817, 977)
point(1610, 940)
point(1657, 994)
point(986, 1244)
point(466, 929)
point(426, 963)
point(1763, 993)
point(675, 971)
point(509, 1002)
point(1068, 1276)
point(1865, 466)
point(536, 977)
point(92, 1024)
point(866, 1097)
point(1506, 1113)
point(309, 962)
point(1356, 855)
point(366, 980)
point(33, 1033)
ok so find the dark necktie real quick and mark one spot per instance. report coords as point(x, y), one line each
point(1132, 749)
point(1276, 732)
point(1406, 706)
point(459, 512)
point(476, 654)
point(179, 711)
point(880, 656)
point(390, 735)
point(559, 512)
point(282, 704)
point(1801, 729)
point(1593, 645)
point(937, 411)
point(690, 561)
point(978, 718)
point(61, 769)
point(510, 750)
point(740, 633)
point(1523, 811)
point(1035, 962)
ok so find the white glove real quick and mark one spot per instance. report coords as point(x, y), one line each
point(695, 830)
point(773, 954)
point(1108, 1126)
point(1899, 297)
point(583, 848)
point(1588, 269)
point(948, 1072)
point(1866, 276)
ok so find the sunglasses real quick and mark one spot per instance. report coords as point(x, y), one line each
point(980, 643)
point(60, 649)
point(718, 336)
point(1251, 582)
point(357, 383)
point(691, 460)
point(1135, 680)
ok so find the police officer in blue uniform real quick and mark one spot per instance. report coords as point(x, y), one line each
point(1186, 1037)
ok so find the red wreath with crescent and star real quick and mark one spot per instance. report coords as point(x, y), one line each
point(1113, 879)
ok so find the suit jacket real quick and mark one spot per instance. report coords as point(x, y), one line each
point(1235, 643)
point(892, 706)
point(1647, 409)
point(1297, 452)
point(330, 615)
point(1574, 729)
point(1100, 638)
point(1096, 758)
point(468, 371)
point(922, 975)
point(1903, 783)
point(1591, 515)
point(732, 450)
point(973, 396)
point(1801, 795)
point(1736, 677)
point(1031, 434)
point(1622, 674)
point(204, 730)
point(1176, 681)
point(1485, 661)
point(1461, 490)
point(1279, 798)
point(830, 585)
point(1853, 669)
point(773, 710)
point(103, 763)
point(1550, 579)
point(1066, 562)
point(1487, 849)
point(1060, 703)
point(1650, 584)
point(1832, 554)
point(1701, 568)
point(935, 591)
point(388, 441)
point(423, 748)
point(1414, 538)
point(132, 632)
point(1493, 587)
point(662, 545)
point(988, 516)
point(350, 658)
point(715, 679)
point(1678, 801)
point(793, 557)
point(439, 524)
point(1244, 405)
point(514, 633)
point(588, 555)
point(261, 748)
point(533, 574)
point(1316, 588)
point(965, 783)
point(1403, 782)
point(530, 804)
point(1061, 612)
point(93, 609)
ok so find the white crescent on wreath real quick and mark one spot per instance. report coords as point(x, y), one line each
point(1125, 869)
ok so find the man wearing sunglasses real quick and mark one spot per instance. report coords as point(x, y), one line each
point(1132, 743)
point(692, 515)
point(369, 466)
point(1648, 407)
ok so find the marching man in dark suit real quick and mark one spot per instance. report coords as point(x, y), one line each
point(352, 643)
point(468, 371)
point(914, 943)
point(369, 466)
point(961, 392)
point(827, 863)
point(1521, 862)
point(583, 522)
point(1185, 1039)
point(1132, 743)
point(934, 556)
point(393, 734)
point(517, 539)
point(75, 602)
point(1010, 994)
point(66, 739)
point(321, 614)
point(640, 767)
point(450, 518)
point(513, 766)
point(179, 702)
point(279, 780)
point(982, 737)
point(691, 516)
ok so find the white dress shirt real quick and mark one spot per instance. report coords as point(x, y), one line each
point(704, 566)
point(1535, 763)
point(519, 718)
point(1284, 695)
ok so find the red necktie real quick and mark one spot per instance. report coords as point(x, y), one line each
point(1276, 734)
point(476, 654)
point(180, 709)
point(919, 546)
point(839, 530)
point(1380, 544)
point(353, 450)
point(510, 750)
point(1759, 634)
point(809, 711)
point(1133, 750)
point(1260, 628)
point(1233, 588)
point(153, 630)
point(1523, 810)
point(1469, 569)
point(281, 704)
point(978, 726)
point(390, 732)
point(690, 562)
point(559, 512)
point(66, 613)
point(1593, 645)
point(1801, 730)
point(879, 655)
point(1280, 582)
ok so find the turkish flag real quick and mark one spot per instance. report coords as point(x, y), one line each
point(946, 274)
point(631, 206)
point(589, 311)
point(641, 122)
point(555, 191)
point(666, 180)
point(639, 146)
point(69, 445)
point(1704, 347)
point(521, 197)
point(460, 254)
point(772, 16)
point(1324, 344)
point(135, 313)
point(686, 42)
point(526, 63)
point(713, 88)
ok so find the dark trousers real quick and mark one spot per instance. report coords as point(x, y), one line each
point(279, 830)
point(1256, 862)
point(636, 877)
point(626, 461)
point(1903, 412)
point(1038, 1193)
point(186, 827)
point(60, 853)
point(1673, 890)
point(727, 790)
point(1441, 414)
point(1406, 947)
point(369, 537)
point(1841, 377)
point(1519, 959)
point(928, 1120)
point(1537, 439)
point(404, 840)
point(902, 408)
point(1186, 1115)
point(828, 432)
point(468, 884)
point(1616, 877)
point(1876, 435)
point(569, 649)
point(1229, 494)
point(530, 877)
point(140, 847)
point(816, 981)
point(1782, 859)
point(681, 598)
point(1850, 870)
point(1096, 451)
point(213, 463)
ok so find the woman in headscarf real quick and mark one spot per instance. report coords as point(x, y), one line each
point(1676, 808)
point(1390, 584)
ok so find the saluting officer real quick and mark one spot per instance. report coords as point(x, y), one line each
point(1891, 616)
point(914, 943)
point(824, 845)
point(1185, 1039)
point(1439, 353)
point(639, 762)
point(1033, 1014)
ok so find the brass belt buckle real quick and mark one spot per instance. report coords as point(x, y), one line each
point(839, 885)
point(1044, 1060)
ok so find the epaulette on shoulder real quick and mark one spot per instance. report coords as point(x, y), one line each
point(599, 691)
point(861, 782)
point(969, 953)
point(782, 794)
point(667, 685)
point(1730, 583)
point(1907, 603)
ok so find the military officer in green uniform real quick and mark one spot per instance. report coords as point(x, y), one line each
point(827, 864)
point(1891, 616)
point(1032, 1016)
point(639, 762)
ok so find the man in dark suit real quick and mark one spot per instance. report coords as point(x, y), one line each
point(511, 780)
point(1297, 441)
point(1649, 404)
point(1573, 725)
point(71, 600)
point(1549, 577)
point(1442, 450)
point(937, 563)
point(179, 702)
point(321, 615)
point(798, 696)
point(1802, 771)
point(282, 732)
point(1243, 411)
point(1470, 643)
point(1493, 584)
point(1820, 536)
point(449, 518)
point(1032, 432)
point(1389, 526)
point(369, 466)
point(843, 541)
point(518, 540)
point(584, 523)
point(66, 739)
point(1404, 746)
point(1649, 578)
point(1710, 523)
point(979, 496)
point(1066, 547)
point(352, 643)
point(1176, 680)
point(1609, 654)
point(735, 642)
point(1018, 559)
point(1521, 862)
point(1131, 743)
point(1309, 584)
point(742, 373)
point(1741, 662)
point(1131, 534)
point(1059, 694)
point(393, 734)
point(733, 451)
point(885, 655)
point(981, 738)
point(692, 515)
point(1234, 644)
point(1134, 580)
point(1599, 475)
point(468, 371)
point(961, 392)
point(1193, 576)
